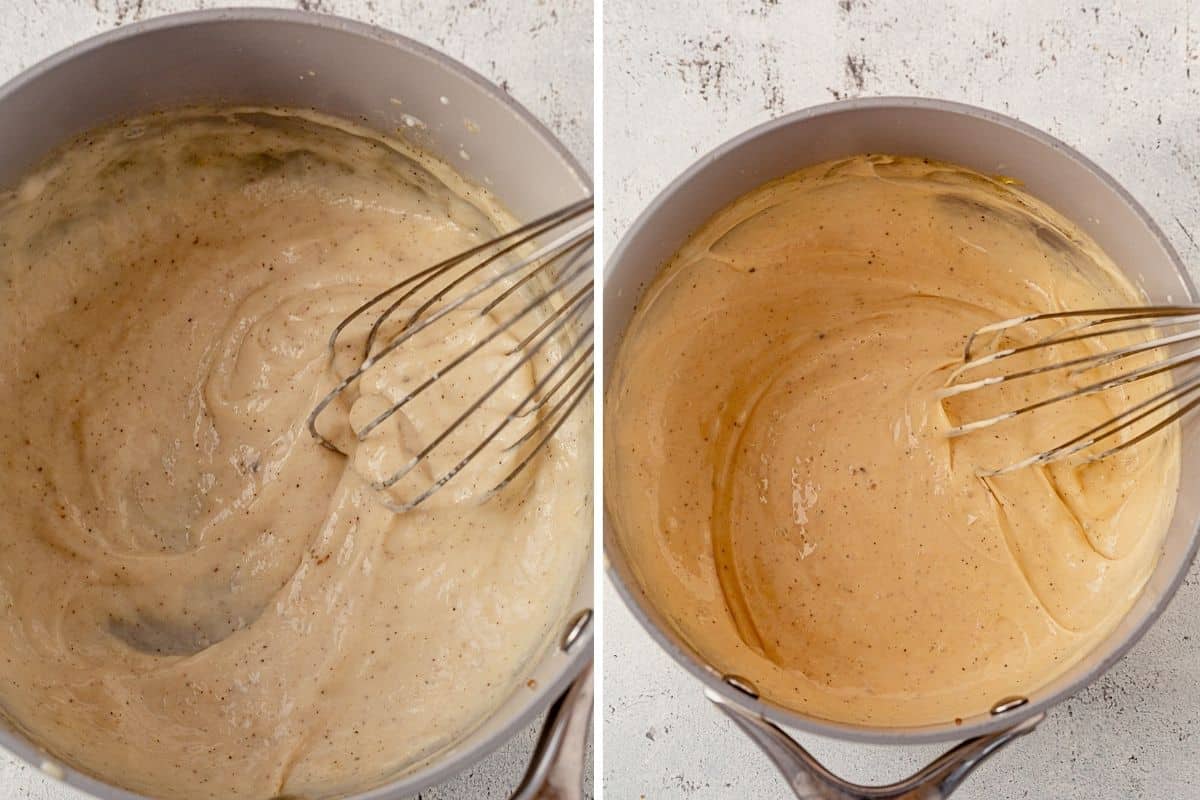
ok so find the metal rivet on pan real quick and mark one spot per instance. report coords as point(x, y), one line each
point(742, 685)
point(575, 629)
point(1008, 704)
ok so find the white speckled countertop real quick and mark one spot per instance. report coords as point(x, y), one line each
point(1121, 82)
point(550, 73)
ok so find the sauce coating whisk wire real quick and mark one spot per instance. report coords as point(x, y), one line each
point(1168, 330)
point(538, 275)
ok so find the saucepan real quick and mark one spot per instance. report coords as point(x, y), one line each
point(989, 143)
point(389, 83)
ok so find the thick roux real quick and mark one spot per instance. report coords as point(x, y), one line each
point(777, 465)
point(196, 599)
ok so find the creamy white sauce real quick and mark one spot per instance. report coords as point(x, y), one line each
point(196, 599)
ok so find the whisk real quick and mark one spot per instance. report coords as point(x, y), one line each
point(535, 282)
point(1165, 347)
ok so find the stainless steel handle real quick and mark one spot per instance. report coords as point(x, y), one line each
point(556, 769)
point(810, 780)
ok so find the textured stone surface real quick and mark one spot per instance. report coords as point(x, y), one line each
point(1121, 82)
point(540, 52)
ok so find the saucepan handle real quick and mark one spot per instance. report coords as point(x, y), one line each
point(556, 770)
point(812, 781)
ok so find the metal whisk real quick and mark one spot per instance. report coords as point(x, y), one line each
point(535, 283)
point(1168, 330)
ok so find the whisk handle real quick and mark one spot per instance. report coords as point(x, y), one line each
point(555, 771)
point(810, 780)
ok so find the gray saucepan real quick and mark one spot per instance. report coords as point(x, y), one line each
point(992, 144)
point(387, 82)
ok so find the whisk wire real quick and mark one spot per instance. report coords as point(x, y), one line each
point(1100, 324)
point(526, 231)
point(543, 260)
point(584, 358)
point(479, 401)
point(466, 355)
point(1107, 315)
point(581, 390)
point(412, 330)
point(1099, 386)
point(1122, 420)
point(540, 255)
point(485, 441)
